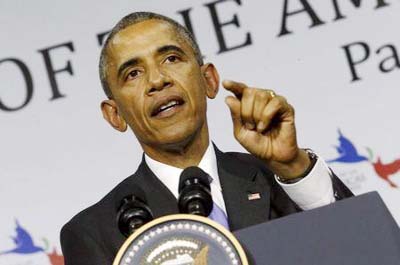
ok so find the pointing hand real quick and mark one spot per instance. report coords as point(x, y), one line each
point(263, 123)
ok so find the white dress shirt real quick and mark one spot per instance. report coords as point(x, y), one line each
point(313, 191)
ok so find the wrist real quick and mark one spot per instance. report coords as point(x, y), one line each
point(296, 169)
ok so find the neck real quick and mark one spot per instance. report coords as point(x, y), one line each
point(183, 154)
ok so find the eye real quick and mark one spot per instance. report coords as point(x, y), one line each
point(132, 74)
point(172, 59)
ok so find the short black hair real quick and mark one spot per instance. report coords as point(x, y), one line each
point(135, 18)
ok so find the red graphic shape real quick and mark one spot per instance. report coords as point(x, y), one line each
point(55, 259)
point(386, 170)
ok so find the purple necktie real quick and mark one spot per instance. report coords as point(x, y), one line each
point(218, 215)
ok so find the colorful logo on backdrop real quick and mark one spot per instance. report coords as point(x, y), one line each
point(24, 244)
point(348, 153)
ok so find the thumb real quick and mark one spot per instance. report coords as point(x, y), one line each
point(234, 106)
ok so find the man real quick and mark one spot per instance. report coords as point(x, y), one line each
point(157, 85)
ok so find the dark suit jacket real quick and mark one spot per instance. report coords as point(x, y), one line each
point(92, 237)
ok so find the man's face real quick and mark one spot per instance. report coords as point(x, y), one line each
point(157, 84)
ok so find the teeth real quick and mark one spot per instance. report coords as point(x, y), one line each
point(170, 104)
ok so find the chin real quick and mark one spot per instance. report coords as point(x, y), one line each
point(179, 135)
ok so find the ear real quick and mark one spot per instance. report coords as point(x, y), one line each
point(211, 77)
point(111, 115)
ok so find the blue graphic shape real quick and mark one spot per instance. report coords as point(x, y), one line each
point(23, 241)
point(347, 151)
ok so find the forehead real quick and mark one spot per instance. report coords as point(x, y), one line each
point(142, 39)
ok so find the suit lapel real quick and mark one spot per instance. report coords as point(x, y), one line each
point(239, 180)
point(159, 198)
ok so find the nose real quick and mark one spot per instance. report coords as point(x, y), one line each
point(157, 80)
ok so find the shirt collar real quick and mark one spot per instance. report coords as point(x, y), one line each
point(170, 175)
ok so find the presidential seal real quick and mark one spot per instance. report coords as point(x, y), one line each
point(181, 239)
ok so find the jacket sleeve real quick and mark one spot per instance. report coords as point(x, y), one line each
point(340, 190)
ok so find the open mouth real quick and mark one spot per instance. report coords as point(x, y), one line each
point(166, 106)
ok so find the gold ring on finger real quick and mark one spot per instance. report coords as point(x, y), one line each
point(272, 93)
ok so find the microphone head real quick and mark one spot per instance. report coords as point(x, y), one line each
point(190, 173)
point(133, 212)
point(126, 193)
point(195, 192)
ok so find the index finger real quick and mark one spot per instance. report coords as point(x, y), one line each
point(236, 88)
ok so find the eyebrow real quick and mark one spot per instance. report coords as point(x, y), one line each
point(168, 48)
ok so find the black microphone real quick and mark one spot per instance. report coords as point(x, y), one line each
point(133, 212)
point(195, 192)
